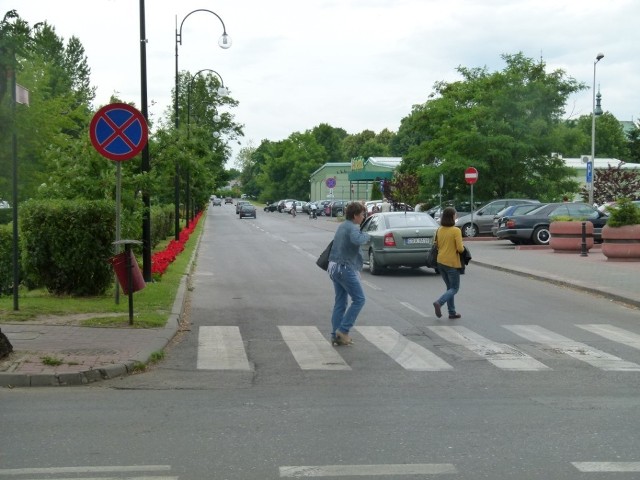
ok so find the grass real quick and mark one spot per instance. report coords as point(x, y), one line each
point(151, 305)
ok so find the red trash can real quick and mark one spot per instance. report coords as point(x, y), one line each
point(119, 263)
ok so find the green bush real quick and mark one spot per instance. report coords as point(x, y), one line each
point(6, 259)
point(6, 215)
point(624, 212)
point(66, 244)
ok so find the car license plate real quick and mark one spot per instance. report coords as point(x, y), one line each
point(413, 241)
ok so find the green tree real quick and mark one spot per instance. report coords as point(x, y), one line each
point(610, 140)
point(331, 139)
point(502, 123)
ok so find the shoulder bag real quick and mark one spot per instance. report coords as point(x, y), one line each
point(323, 259)
point(432, 256)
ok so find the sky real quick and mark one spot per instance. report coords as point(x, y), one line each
point(353, 64)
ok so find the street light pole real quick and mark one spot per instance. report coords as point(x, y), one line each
point(224, 42)
point(599, 57)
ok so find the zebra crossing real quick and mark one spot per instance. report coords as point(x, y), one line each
point(223, 348)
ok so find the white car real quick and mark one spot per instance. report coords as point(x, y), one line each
point(4, 204)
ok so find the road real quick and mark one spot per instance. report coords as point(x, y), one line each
point(534, 382)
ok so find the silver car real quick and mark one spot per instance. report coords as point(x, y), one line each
point(398, 239)
point(481, 220)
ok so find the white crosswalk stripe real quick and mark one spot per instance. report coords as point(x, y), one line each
point(408, 354)
point(577, 350)
point(614, 334)
point(498, 354)
point(311, 349)
point(221, 348)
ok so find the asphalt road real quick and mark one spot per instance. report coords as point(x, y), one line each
point(524, 386)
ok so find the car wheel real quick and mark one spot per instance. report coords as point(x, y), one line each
point(469, 230)
point(541, 236)
point(374, 268)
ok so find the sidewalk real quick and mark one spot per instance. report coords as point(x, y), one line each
point(93, 354)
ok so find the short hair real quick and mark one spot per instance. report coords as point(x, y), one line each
point(353, 209)
point(448, 217)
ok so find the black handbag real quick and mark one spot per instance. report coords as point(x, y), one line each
point(432, 256)
point(323, 259)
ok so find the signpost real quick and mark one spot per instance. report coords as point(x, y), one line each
point(118, 132)
point(471, 177)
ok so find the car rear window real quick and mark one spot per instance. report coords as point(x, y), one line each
point(408, 220)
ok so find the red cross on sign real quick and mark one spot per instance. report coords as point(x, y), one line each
point(118, 131)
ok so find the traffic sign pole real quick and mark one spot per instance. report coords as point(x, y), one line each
point(471, 177)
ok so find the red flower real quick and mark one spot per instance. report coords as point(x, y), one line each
point(160, 261)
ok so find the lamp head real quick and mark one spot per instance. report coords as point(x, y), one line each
point(599, 57)
point(224, 41)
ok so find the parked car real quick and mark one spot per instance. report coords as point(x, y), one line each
point(228, 200)
point(335, 208)
point(239, 203)
point(4, 204)
point(322, 204)
point(271, 207)
point(534, 226)
point(511, 210)
point(483, 217)
point(247, 210)
point(282, 204)
point(398, 239)
point(288, 203)
point(216, 202)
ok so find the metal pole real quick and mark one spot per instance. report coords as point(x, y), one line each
point(583, 245)
point(176, 177)
point(146, 162)
point(14, 199)
point(117, 242)
point(599, 57)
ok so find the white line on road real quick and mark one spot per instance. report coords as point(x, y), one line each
point(371, 285)
point(577, 350)
point(89, 469)
point(591, 467)
point(366, 470)
point(408, 354)
point(498, 354)
point(414, 309)
point(311, 350)
point(221, 348)
point(614, 333)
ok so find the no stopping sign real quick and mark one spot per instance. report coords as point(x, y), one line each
point(118, 131)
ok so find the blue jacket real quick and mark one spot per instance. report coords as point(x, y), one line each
point(346, 245)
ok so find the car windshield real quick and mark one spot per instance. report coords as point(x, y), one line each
point(413, 220)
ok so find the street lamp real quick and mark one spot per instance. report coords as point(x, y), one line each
point(222, 91)
point(224, 42)
point(599, 57)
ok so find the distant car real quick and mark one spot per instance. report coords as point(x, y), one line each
point(247, 210)
point(4, 204)
point(239, 203)
point(228, 200)
point(483, 217)
point(271, 207)
point(534, 226)
point(335, 208)
point(216, 202)
point(289, 203)
point(511, 210)
point(398, 239)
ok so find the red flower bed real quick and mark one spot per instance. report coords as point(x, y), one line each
point(160, 261)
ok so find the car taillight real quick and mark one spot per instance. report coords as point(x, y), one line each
point(510, 224)
point(389, 241)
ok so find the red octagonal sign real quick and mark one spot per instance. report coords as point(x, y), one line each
point(471, 175)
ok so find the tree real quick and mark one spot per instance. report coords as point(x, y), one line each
point(610, 140)
point(331, 139)
point(502, 123)
point(612, 183)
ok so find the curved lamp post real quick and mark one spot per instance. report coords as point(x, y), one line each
point(599, 57)
point(223, 42)
point(222, 91)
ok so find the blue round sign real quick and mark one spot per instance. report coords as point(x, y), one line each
point(118, 131)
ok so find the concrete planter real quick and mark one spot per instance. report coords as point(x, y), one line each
point(621, 243)
point(567, 236)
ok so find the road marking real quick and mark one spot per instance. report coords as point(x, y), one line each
point(371, 285)
point(577, 350)
point(110, 478)
point(590, 467)
point(221, 348)
point(89, 469)
point(614, 334)
point(408, 354)
point(499, 354)
point(366, 470)
point(414, 309)
point(311, 350)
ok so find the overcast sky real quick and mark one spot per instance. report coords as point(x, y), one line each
point(354, 64)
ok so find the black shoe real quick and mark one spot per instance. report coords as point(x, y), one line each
point(453, 316)
point(436, 307)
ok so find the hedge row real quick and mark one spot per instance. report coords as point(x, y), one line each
point(65, 245)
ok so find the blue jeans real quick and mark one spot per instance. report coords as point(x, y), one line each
point(346, 282)
point(451, 277)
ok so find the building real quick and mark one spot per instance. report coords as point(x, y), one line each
point(579, 165)
point(351, 181)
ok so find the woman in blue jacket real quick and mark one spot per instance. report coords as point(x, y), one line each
point(345, 264)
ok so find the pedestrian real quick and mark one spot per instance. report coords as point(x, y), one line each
point(293, 209)
point(386, 206)
point(313, 209)
point(450, 246)
point(345, 264)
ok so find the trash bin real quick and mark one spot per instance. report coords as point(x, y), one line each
point(119, 263)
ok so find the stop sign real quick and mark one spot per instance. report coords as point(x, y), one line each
point(471, 175)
